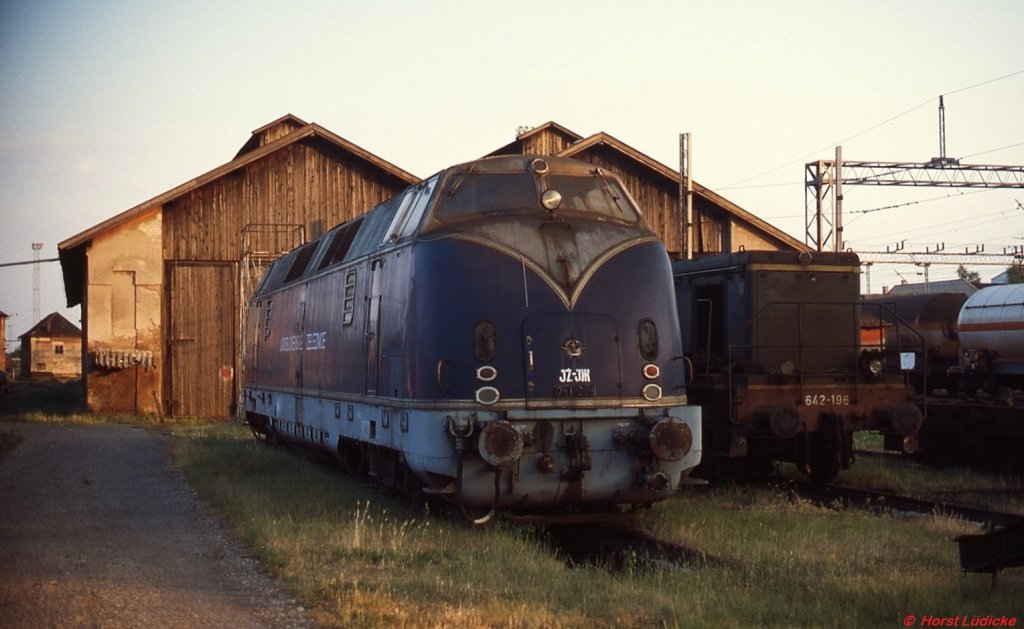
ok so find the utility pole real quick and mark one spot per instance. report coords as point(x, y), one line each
point(685, 197)
point(36, 315)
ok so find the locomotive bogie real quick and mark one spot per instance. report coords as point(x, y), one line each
point(597, 456)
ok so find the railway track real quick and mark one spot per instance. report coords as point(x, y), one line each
point(895, 502)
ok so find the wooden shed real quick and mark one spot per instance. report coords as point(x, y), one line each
point(52, 347)
point(163, 284)
point(719, 225)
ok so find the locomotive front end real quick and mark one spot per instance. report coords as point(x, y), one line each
point(558, 327)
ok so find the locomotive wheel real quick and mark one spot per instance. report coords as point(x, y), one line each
point(823, 459)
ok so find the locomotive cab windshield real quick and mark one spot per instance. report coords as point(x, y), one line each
point(473, 195)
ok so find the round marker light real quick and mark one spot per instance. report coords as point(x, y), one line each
point(875, 366)
point(651, 371)
point(652, 392)
point(487, 395)
point(486, 373)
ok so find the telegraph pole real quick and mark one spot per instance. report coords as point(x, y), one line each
point(36, 315)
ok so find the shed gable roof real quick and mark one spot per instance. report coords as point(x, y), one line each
point(560, 134)
point(265, 141)
point(270, 132)
point(603, 139)
point(53, 325)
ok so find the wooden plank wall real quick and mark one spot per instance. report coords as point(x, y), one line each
point(659, 201)
point(308, 184)
point(202, 345)
point(547, 142)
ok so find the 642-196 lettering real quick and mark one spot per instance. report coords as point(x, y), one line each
point(827, 399)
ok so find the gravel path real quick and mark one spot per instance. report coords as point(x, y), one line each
point(97, 530)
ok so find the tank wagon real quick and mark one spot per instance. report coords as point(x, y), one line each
point(974, 389)
point(924, 325)
point(774, 340)
point(501, 335)
point(991, 330)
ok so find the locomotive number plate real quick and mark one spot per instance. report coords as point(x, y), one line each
point(829, 399)
point(574, 390)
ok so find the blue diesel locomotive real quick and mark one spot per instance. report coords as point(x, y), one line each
point(502, 335)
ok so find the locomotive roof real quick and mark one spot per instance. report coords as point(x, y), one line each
point(506, 163)
point(742, 259)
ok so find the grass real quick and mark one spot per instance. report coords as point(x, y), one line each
point(41, 399)
point(362, 559)
point(358, 558)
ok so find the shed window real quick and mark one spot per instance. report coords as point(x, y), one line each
point(58, 348)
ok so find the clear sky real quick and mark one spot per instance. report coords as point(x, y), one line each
point(105, 104)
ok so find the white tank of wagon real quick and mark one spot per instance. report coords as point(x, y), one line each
point(992, 322)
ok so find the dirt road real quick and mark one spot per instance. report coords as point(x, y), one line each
point(97, 529)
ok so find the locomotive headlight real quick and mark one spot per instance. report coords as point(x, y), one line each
point(486, 373)
point(671, 439)
point(551, 199)
point(500, 443)
point(872, 363)
point(875, 366)
point(651, 371)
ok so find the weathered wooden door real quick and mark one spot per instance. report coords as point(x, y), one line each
point(203, 336)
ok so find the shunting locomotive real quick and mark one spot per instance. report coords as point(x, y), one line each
point(501, 335)
point(777, 362)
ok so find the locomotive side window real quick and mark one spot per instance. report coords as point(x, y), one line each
point(341, 242)
point(300, 261)
point(349, 299)
point(410, 212)
point(266, 321)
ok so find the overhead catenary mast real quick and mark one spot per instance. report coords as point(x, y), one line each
point(824, 181)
